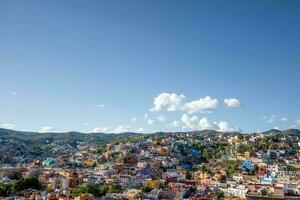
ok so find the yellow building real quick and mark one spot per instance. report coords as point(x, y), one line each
point(154, 142)
point(74, 178)
point(89, 162)
point(85, 196)
point(240, 157)
point(106, 155)
point(218, 176)
point(202, 178)
point(108, 146)
point(153, 184)
point(247, 154)
point(50, 187)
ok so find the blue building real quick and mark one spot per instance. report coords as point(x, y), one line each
point(267, 180)
point(247, 166)
point(186, 166)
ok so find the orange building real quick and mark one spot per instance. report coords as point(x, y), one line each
point(163, 151)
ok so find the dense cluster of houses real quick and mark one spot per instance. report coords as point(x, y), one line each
point(170, 166)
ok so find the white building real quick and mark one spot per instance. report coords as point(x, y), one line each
point(238, 191)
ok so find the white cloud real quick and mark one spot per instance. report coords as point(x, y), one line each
point(8, 126)
point(222, 126)
point(85, 124)
point(284, 119)
point(293, 126)
point(150, 121)
point(175, 124)
point(189, 122)
point(162, 119)
point(202, 105)
point(13, 93)
point(176, 102)
point(269, 119)
point(102, 130)
point(134, 119)
point(145, 116)
point(46, 129)
point(100, 105)
point(171, 102)
point(276, 127)
point(122, 129)
point(297, 122)
point(225, 127)
point(205, 125)
point(232, 102)
point(119, 129)
point(140, 130)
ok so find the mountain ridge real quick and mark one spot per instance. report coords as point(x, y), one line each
point(14, 133)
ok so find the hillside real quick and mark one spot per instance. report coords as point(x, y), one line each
point(101, 138)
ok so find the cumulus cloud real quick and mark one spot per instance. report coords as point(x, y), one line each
point(232, 102)
point(205, 125)
point(161, 119)
point(175, 124)
point(134, 119)
point(193, 122)
point(119, 129)
point(202, 105)
point(224, 126)
point(140, 130)
point(150, 121)
point(189, 121)
point(176, 102)
point(46, 129)
point(8, 126)
point(102, 130)
point(284, 119)
point(169, 101)
point(269, 119)
point(122, 129)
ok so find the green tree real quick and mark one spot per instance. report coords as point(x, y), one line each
point(96, 190)
point(26, 183)
point(206, 154)
point(5, 190)
point(146, 189)
point(115, 188)
point(218, 194)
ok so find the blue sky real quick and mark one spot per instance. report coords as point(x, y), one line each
point(96, 65)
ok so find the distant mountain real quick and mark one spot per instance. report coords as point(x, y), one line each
point(285, 132)
point(39, 146)
point(101, 138)
point(36, 137)
point(272, 131)
point(292, 132)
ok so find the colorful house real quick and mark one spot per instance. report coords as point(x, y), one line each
point(247, 166)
